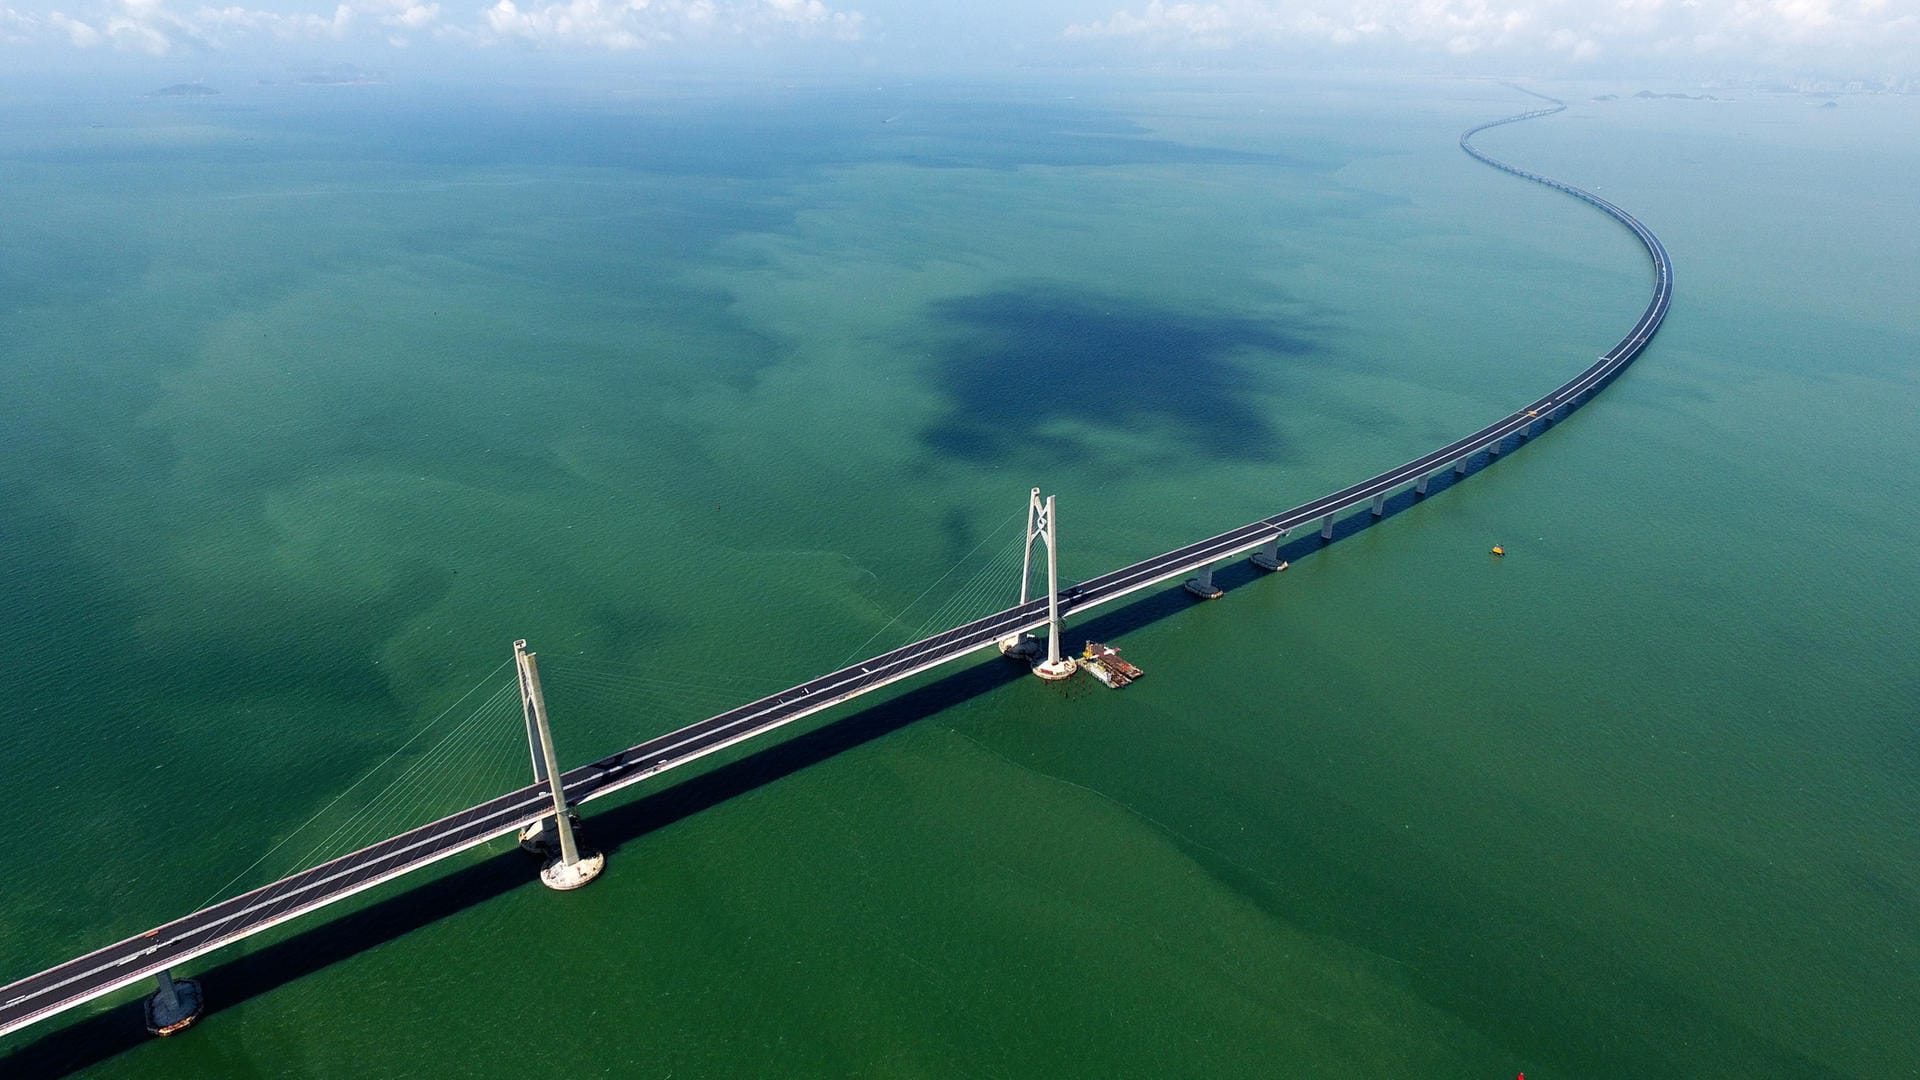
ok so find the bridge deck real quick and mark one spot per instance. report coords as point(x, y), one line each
point(77, 981)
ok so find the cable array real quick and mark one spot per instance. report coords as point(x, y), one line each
point(675, 698)
point(968, 596)
point(476, 756)
point(667, 697)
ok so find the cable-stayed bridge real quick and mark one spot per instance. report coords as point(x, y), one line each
point(542, 810)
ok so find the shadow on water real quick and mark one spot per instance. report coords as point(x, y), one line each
point(99, 1038)
point(1020, 359)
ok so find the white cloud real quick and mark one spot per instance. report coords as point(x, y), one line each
point(634, 24)
point(17, 27)
point(153, 27)
point(1575, 30)
point(158, 27)
point(82, 35)
point(1870, 37)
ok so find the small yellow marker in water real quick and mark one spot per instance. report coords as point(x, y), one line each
point(1498, 550)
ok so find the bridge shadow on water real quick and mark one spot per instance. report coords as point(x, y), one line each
point(98, 1038)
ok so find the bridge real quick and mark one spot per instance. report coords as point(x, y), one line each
point(542, 811)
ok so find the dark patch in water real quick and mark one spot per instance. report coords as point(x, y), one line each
point(1017, 360)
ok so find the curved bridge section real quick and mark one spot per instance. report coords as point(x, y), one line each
point(76, 981)
point(1522, 421)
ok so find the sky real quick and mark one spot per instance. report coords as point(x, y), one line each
point(1873, 40)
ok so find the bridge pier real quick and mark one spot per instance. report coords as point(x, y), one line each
point(1268, 558)
point(1493, 448)
point(1460, 467)
point(539, 839)
point(1326, 527)
point(570, 869)
point(176, 1005)
point(1021, 648)
point(1202, 586)
point(1380, 504)
point(1420, 488)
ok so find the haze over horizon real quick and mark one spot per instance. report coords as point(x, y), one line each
point(1867, 44)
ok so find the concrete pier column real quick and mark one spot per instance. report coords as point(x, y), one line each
point(1268, 557)
point(1201, 584)
point(1460, 467)
point(1420, 488)
point(175, 1005)
point(1326, 527)
point(1493, 448)
point(1380, 504)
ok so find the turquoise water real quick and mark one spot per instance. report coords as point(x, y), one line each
point(312, 404)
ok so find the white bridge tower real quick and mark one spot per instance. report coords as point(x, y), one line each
point(569, 869)
point(1040, 526)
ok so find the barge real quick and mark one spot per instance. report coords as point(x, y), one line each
point(1107, 666)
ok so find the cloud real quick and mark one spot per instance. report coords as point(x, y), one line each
point(160, 27)
point(635, 24)
point(1885, 31)
point(155, 28)
point(16, 27)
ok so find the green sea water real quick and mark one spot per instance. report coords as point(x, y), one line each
point(313, 399)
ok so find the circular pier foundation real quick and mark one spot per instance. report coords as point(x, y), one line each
point(560, 876)
point(1056, 670)
point(171, 1012)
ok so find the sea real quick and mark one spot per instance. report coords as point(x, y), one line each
point(316, 396)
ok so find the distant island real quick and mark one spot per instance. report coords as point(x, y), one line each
point(183, 89)
point(1648, 95)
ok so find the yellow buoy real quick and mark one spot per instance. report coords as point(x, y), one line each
point(1498, 550)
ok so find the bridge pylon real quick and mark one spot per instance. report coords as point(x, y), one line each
point(569, 869)
point(1040, 526)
